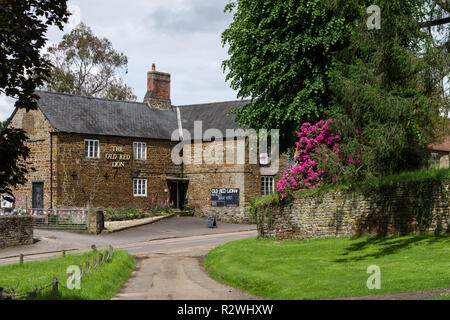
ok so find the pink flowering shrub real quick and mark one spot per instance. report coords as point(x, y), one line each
point(322, 157)
point(312, 153)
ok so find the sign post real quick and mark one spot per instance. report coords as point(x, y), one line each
point(212, 222)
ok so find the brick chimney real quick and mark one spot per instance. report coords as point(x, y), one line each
point(158, 89)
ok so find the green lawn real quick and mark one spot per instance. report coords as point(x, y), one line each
point(100, 284)
point(329, 268)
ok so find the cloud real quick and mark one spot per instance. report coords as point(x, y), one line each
point(190, 16)
point(183, 37)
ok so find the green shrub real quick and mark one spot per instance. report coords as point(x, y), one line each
point(165, 210)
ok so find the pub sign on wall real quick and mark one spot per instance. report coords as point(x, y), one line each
point(225, 197)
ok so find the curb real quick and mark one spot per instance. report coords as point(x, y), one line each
point(109, 231)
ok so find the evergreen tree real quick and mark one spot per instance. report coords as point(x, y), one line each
point(303, 61)
point(388, 84)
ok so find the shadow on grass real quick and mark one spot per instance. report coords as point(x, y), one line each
point(383, 246)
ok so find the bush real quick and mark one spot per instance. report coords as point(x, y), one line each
point(131, 214)
point(321, 158)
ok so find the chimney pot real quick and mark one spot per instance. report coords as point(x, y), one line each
point(158, 89)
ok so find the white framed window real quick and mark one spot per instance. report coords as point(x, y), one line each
point(434, 155)
point(267, 185)
point(92, 148)
point(140, 150)
point(140, 187)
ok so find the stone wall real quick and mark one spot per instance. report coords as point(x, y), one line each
point(208, 173)
point(38, 130)
point(403, 209)
point(17, 230)
point(205, 172)
point(71, 180)
point(81, 181)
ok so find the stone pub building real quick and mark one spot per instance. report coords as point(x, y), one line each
point(117, 154)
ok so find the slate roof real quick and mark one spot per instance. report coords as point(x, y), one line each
point(86, 115)
point(212, 115)
point(78, 114)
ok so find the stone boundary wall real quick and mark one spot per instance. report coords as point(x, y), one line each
point(401, 209)
point(225, 214)
point(15, 230)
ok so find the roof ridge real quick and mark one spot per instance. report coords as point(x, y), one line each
point(137, 102)
point(217, 102)
point(94, 98)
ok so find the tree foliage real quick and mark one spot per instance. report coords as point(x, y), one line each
point(388, 83)
point(23, 25)
point(87, 65)
point(304, 61)
point(280, 54)
point(13, 155)
point(3, 124)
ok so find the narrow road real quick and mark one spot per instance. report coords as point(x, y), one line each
point(170, 256)
point(173, 270)
point(52, 242)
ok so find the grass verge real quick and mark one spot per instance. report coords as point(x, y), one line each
point(100, 284)
point(332, 268)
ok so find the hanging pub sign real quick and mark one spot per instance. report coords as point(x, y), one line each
point(225, 197)
point(263, 158)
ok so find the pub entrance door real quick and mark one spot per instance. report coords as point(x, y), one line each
point(177, 192)
point(37, 201)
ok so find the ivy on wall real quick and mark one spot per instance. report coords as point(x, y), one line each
point(397, 207)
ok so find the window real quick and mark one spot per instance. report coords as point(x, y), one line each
point(91, 148)
point(140, 150)
point(434, 155)
point(267, 186)
point(140, 187)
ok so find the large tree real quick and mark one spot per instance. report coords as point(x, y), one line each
point(283, 53)
point(87, 65)
point(23, 26)
point(388, 85)
point(280, 55)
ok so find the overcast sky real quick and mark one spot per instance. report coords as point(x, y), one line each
point(183, 37)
